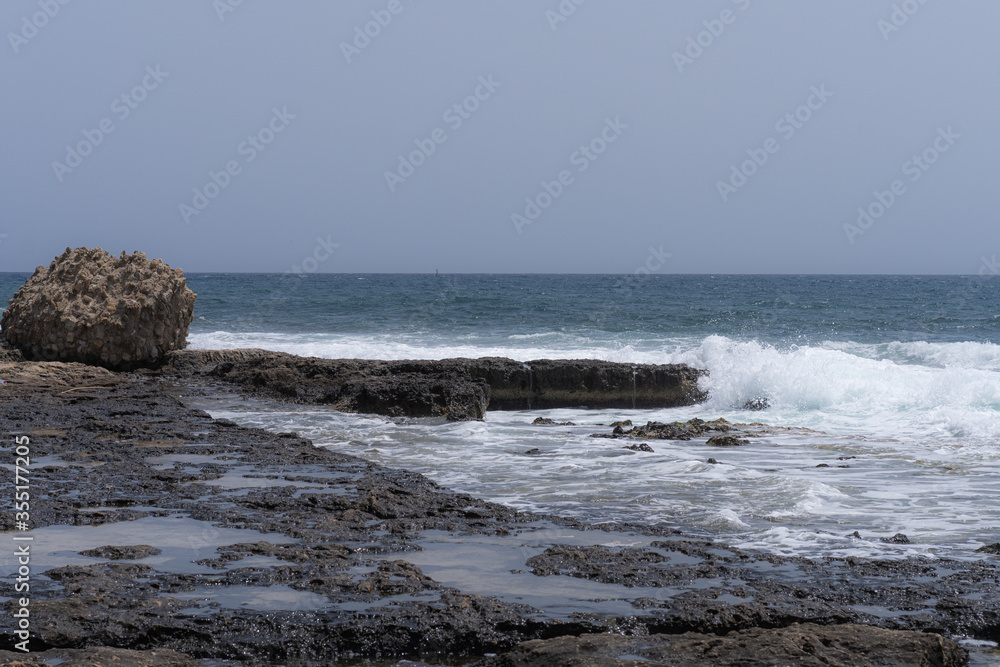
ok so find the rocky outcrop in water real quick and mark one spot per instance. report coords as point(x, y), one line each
point(458, 389)
point(88, 306)
point(692, 428)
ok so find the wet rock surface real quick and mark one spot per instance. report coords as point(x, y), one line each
point(545, 421)
point(87, 306)
point(111, 552)
point(273, 551)
point(99, 657)
point(688, 430)
point(459, 389)
point(809, 645)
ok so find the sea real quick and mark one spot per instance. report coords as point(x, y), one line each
point(883, 396)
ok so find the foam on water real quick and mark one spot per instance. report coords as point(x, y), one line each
point(928, 392)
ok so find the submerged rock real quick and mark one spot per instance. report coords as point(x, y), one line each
point(545, 421)
point(641, 447)
point(90, 307)
point(672, 431)
point(758, 403)
point(898, 538)
point(805, 644)
point(727, 441)
point(109, 552)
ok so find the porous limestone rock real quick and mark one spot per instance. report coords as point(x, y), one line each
point(91, 307)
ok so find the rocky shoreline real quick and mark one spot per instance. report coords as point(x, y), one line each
point(458, 389)
point(182, 539)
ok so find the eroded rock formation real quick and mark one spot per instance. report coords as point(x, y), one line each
point(88, 306)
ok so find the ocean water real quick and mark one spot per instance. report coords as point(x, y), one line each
point(890, 383)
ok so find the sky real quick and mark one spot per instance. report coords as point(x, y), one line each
point(524, 136)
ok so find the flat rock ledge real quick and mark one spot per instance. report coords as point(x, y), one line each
point(459, 389)
point(808, 644)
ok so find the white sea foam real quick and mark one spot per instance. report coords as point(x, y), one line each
point(919, 390)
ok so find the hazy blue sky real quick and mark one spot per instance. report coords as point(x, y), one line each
point(189, 86)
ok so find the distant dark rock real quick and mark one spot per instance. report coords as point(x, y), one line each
point(545, 421)
point(823, 465)
point(846, 458)
point(623, 423)
point(758, 403)
point(856, 535)
point(641, 447)
point(898, 538)
point(990, 549)
point(712, 461)
point(122, 553)
point(727, 441)
point(533, 452)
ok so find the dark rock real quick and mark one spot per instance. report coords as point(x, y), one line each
point(535, 451)
point(506, 384)
point(122, 553)
point(727, 441)
point(823, 465)
point(641, 447)
point(337, 531)
point(846, 458)
point(806, 644)
point(672, 431)
point(990, 549)
point(545, 421)
point(898, 538)
point(90, 307)
point(758, 403)
point(623, 423)
point(712, 461)
point(9, 353)
point(855, 535)
point(98, 657)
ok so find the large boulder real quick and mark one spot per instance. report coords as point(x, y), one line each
point(91, 307)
